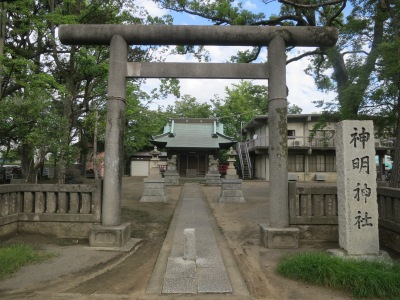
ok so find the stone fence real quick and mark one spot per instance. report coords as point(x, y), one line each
point(313, 208)
point(61, 210)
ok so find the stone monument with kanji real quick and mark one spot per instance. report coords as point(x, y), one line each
point(356, 185)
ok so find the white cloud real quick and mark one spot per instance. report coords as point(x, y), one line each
point(249, 5)
point(152, 8)
point(302, 90)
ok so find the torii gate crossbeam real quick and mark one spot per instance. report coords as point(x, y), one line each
point(112, 232)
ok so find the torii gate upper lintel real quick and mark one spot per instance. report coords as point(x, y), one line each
point(302, 36)
point(112, 232)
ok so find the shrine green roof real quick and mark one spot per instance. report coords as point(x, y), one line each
point(193, 133)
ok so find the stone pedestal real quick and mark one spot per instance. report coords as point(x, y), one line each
point(110, 236)
point(171, 177)
point(381, 256)
point(230, 175)
point(279, 238)
point(154, 190)
point(231, 191)
point(213, 178)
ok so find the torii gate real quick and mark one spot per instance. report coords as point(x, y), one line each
point(112, 232)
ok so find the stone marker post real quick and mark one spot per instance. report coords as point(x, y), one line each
point(356, 185)
point(189, 244)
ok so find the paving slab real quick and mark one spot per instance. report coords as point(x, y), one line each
point(207, 274)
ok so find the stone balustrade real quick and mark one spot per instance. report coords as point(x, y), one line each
point(28, 207)
point(316, 204)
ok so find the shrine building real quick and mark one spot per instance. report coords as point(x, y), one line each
point(192, 141)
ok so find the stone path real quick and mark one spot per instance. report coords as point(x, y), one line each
point(206, 274)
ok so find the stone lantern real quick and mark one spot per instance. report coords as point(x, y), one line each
point(154, 186)
point(231, 171)
point(231, 186)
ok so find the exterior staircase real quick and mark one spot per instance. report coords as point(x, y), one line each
point(245, 162)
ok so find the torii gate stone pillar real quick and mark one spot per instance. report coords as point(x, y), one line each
point(276, 233)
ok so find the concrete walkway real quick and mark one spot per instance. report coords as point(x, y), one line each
point(214, 269)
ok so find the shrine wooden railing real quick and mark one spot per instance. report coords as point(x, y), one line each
point(316, 204)
point(78, 203)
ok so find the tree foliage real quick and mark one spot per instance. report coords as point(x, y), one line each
point(242, 102)
point(58, 87)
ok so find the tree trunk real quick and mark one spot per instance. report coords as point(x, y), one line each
point(27, 163)
point(351, 94)
point(395, 176)
point(3, 16)
point(395, 172)
point(95, 163)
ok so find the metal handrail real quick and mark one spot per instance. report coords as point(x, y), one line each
point(242, 147)
point(239, 150)
point(248, 160)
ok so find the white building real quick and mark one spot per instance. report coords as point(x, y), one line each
point(311, 151)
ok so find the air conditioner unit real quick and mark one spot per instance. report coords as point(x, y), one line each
point(293, 177)
point(297, 143)
point(320, 177)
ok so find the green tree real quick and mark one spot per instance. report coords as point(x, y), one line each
point(70, 80)
point(385, 93)
point(188, 107)
point(242, 102)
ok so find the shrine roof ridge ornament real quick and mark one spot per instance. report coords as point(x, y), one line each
point(306, 36)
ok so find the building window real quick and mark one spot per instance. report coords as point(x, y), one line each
point(330, 163)
point(296, 163)
point(322, 163)
point(291, 134)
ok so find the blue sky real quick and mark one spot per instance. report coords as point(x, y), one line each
point(302, 90)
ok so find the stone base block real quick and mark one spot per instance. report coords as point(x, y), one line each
point(171, 178)
point(153, 199)
point(231, 191)
point(110, 236)
point(213, 178)
point(154, 191)
point(279, 238)
point(382, 256)
point(60, 230)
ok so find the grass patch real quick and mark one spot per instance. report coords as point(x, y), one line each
point(15, 256)
point(364, 279)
